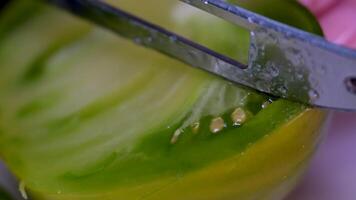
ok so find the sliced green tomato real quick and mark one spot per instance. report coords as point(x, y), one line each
point(85, 114)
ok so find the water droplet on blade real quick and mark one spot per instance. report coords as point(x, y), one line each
point(148, 40)
point(313, 94)
point(272, 69)
point(283, 90)
point(299, 76)
point(137, 40)
point(173, 38)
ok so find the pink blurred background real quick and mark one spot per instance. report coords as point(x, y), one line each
point(332, 174)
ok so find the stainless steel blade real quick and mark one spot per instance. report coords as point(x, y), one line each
point(283, 61)
point(288, 62)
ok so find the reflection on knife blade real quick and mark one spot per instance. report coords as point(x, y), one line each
point(283, 61)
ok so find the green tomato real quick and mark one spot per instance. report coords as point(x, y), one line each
point(85, 114)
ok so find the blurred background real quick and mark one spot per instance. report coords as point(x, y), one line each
point(332, 173)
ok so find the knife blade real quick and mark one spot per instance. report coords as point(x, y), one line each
point(283, 61)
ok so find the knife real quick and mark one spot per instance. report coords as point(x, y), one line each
point(283, 61)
